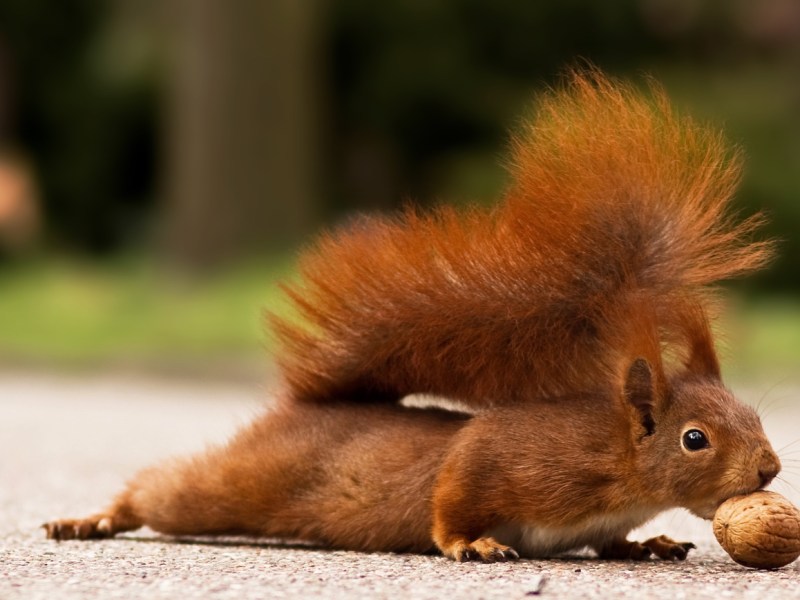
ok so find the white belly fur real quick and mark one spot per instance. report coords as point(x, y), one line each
point(535, 541)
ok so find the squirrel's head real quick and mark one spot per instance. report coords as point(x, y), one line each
point(699, 444)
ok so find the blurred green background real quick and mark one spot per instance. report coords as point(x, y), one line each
point(161, 162)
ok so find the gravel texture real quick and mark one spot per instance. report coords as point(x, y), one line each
point(67, 444)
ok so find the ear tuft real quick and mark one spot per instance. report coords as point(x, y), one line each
point(640, 393)
point(703, 359)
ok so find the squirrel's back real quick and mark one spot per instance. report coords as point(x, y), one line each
point(614, 226)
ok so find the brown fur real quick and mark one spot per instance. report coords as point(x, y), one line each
point(575, 472)
point(570, 294)
point(614, 226)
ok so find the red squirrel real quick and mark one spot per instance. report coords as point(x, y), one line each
point(571, 322)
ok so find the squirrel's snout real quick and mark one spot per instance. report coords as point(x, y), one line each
point(769, 467)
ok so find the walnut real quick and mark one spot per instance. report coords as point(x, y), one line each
point(760, 530)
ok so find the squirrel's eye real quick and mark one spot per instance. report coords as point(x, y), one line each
point(694, 439)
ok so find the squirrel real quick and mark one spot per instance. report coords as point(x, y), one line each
point(572, 323)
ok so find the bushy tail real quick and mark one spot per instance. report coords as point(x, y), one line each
point(615, 226)
point(612, 166)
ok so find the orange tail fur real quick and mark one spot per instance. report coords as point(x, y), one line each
point(615, 226)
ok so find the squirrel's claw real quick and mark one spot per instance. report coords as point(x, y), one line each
point(485, 549)
point(79, 529)
point(661, 546)
point(625, 550)
point(500, 554)
point(668, 549)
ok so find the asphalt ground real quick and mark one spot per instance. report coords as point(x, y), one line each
point(67, 444)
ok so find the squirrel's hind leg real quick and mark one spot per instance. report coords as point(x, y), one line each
point(234, 489)
point(179, 497)
point(120, 517)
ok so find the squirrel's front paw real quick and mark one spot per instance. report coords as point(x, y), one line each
point(624, 550)
point(96, 527)
point(662, 546)
point(668, 549)
point(485, 549)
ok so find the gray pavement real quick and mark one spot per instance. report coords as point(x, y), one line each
point(68, 443)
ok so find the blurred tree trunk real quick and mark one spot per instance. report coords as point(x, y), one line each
point(240, 128)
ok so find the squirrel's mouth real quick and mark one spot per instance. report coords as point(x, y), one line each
point(708, 510)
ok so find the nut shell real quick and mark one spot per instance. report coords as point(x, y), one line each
point(760, 530)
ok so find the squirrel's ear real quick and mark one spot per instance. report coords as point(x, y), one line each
point(640, 392)
point(703, 359)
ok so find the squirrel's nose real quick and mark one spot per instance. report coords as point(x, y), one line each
point(770, 466)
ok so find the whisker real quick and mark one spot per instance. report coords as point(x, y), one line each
point(760, 409)
point(789, 445)
point(787, 483)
